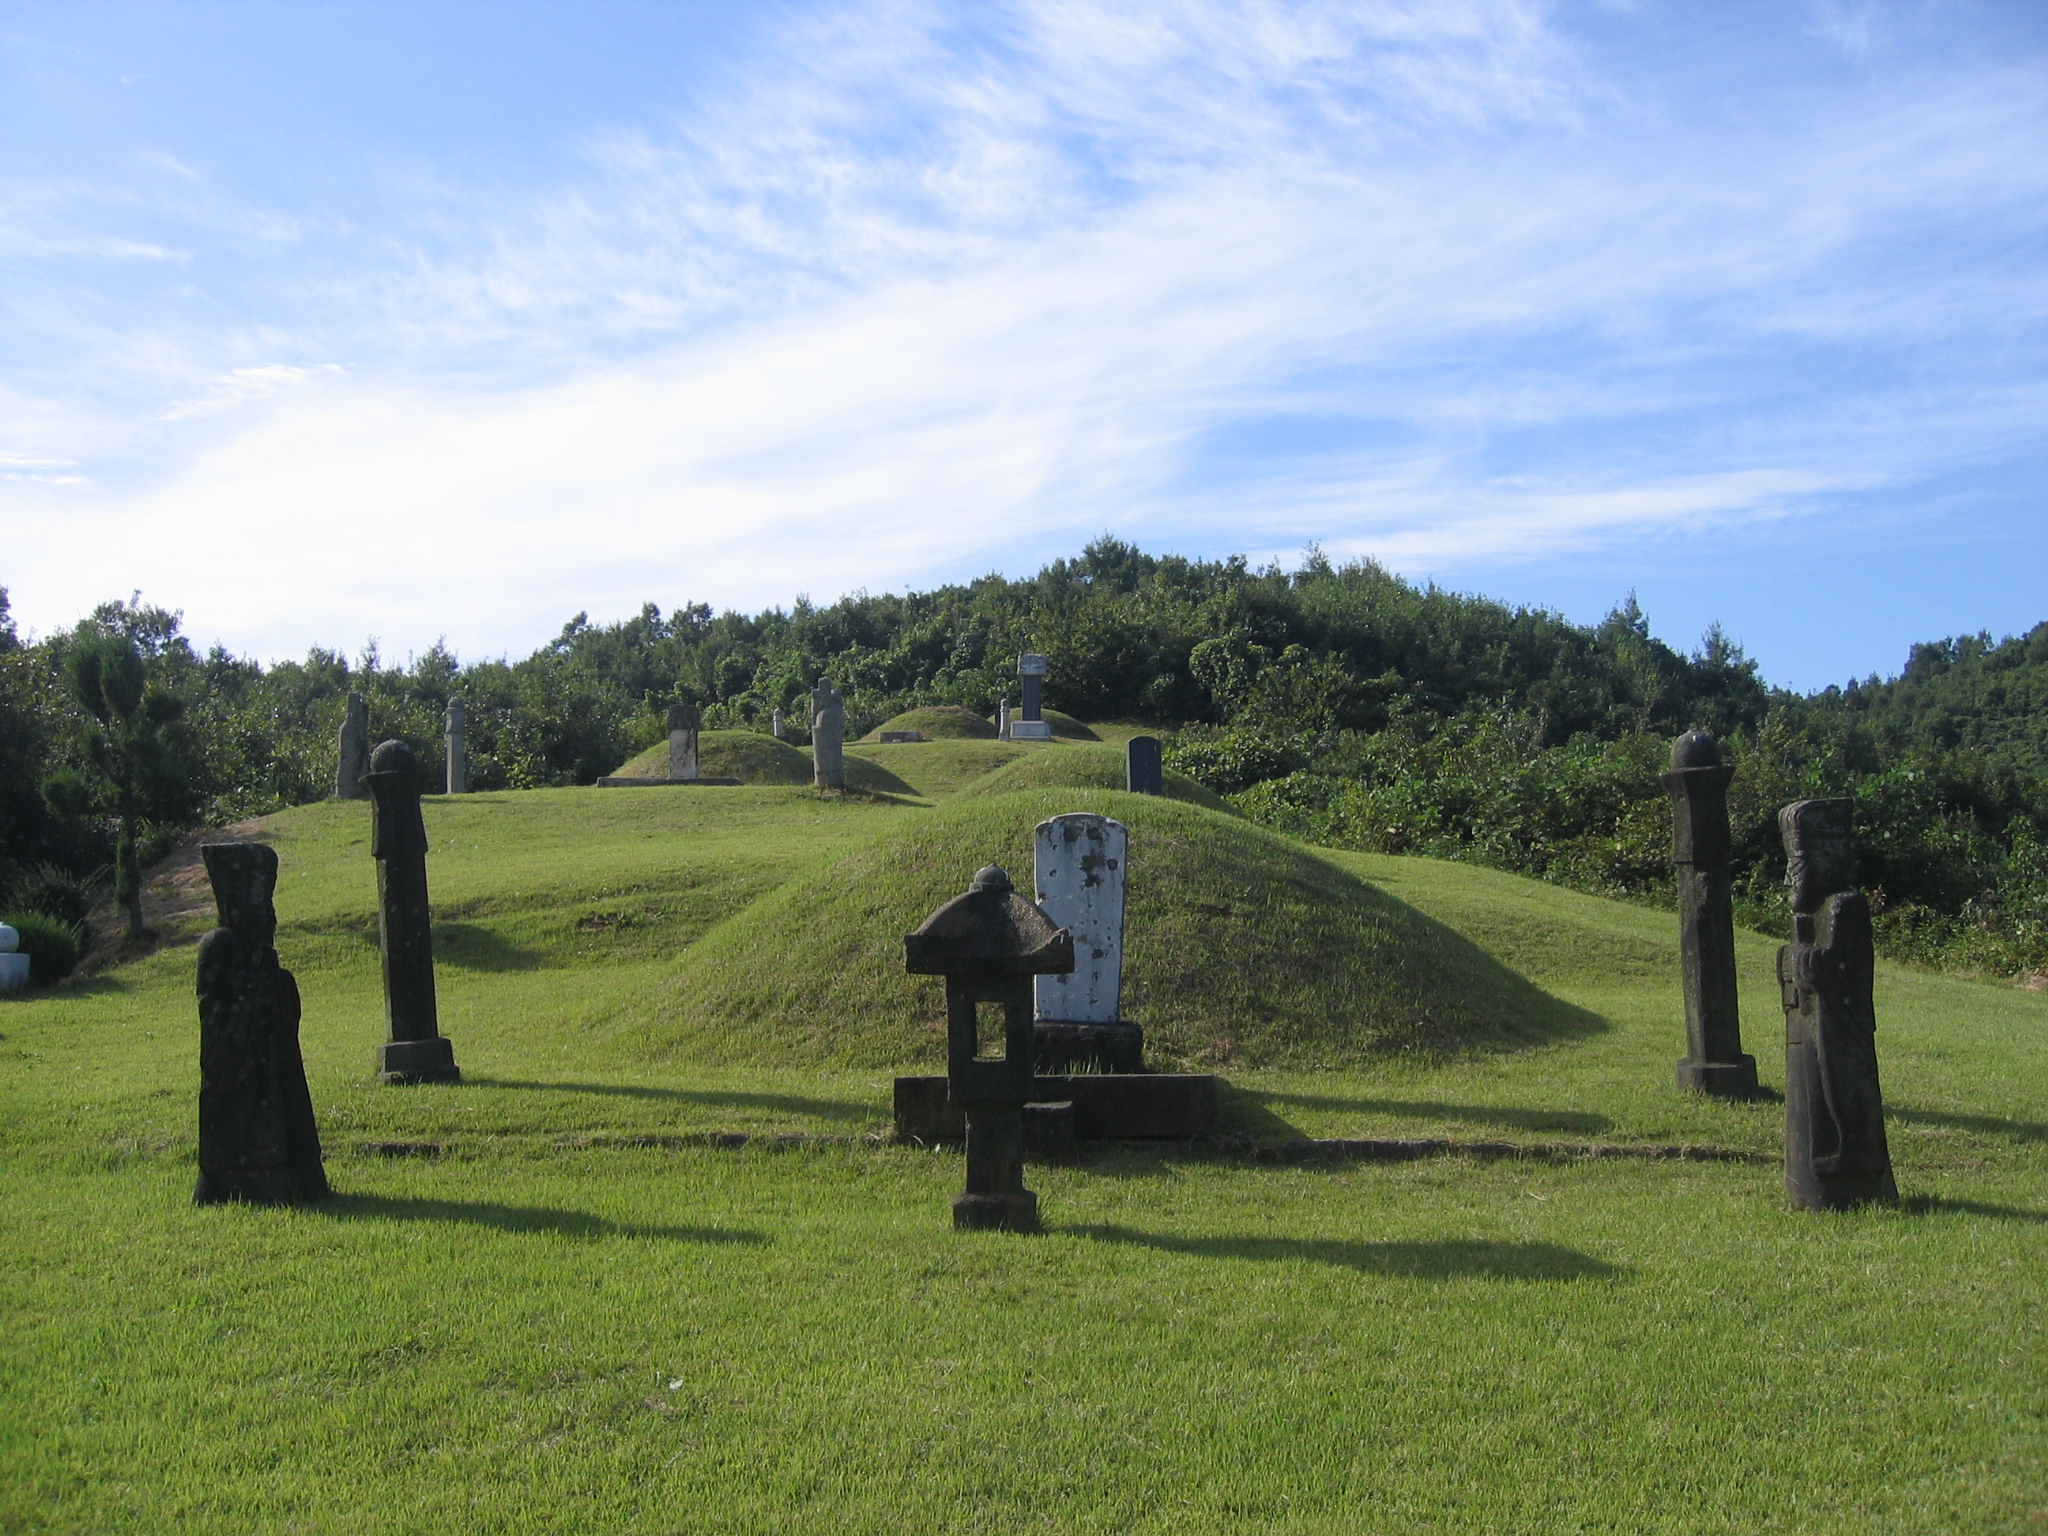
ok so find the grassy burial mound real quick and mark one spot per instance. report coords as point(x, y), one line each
point(1242, 947)
point(1084, 766)
point(748, 756)
point(938, 722)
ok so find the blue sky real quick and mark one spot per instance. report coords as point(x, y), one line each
point(325, 322)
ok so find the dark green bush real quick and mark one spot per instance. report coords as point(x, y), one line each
point(53, 947)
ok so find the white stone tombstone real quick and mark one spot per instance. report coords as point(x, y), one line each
point(1003, 720)
point(1080, 880)
point(13, 967)
point(775, 725)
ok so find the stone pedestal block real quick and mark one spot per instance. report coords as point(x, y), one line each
point(417, 1061)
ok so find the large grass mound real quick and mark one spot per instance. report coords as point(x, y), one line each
point(748, 756)
point(937, 769)
point(1084, 766)
point(1242, 946)
point(938, 722)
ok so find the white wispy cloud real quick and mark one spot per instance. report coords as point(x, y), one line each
point(911, 303)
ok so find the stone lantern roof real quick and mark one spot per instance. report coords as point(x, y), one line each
point(989, 931)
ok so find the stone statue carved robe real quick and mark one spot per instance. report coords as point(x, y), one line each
point(1836, 1154)
point(828, 737)
point(258, 1141)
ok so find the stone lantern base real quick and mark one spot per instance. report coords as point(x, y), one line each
point(1720, 1079)
point(996, 1213)
point(417, 1061)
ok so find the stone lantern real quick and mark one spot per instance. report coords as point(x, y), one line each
point(989, 944)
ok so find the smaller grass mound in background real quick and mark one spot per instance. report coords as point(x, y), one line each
point(938, 722)
point(748, 756)
point(1085, 766)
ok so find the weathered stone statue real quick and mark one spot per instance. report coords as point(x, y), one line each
point(828, 737)
point(354, 758)
point(1002, 720)
point(988, 944)
point(1835, 1150)
point(257, 1138)
point(415, 1052)
point(775, 725)
point(682, 741)
point(1702, 849)
point(458, 749)
point(1144, 773)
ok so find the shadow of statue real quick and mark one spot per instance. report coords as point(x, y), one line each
point(1987, 1125)
point(518, 1218)
point(1935, 1205)
point(781, 1103)
point(476, 948)
point(1445, 1259)
point(1580, 1121)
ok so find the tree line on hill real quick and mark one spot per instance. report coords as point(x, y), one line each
point(1339, 703)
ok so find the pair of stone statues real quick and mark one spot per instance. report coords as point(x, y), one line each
point(1835, 1150)
point(257, 1138)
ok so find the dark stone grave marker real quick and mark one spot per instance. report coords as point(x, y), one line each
point(1702, 850)
point(415, 1051)
point(1143, 772)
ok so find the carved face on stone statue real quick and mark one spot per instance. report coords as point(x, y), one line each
point(244, 877)
point(1817, 848)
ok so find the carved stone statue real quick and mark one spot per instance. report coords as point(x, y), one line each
point(455, 724)
point(1835, 1150)
point(257, 1138)
point(353, 760)
point(828, 737)
point(682, 741)
point(416, 1051)
point(1702, 851)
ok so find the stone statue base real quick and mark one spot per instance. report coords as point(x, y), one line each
point(995, 1213)
point(1062, 1046)
point(1031, 730)
point(1720, 1079)
point(417, 1061)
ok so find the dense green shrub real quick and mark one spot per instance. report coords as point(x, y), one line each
point(53, 947)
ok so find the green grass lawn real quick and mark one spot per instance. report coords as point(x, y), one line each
point(549, 1328)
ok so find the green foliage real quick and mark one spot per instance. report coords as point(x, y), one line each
point(133, 764)
point(53, 946)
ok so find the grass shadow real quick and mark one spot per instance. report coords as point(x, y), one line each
point(515, 1218)
point(1582, 1122)
point(867, 775)
point(1933, 1205)
point(475, 948)
point(1448, 1259)
point(1988, 1125)
point(785, 1103)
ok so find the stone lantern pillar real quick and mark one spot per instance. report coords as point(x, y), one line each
point(416, 1051)
point(989, 944)
point(1702, 849)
